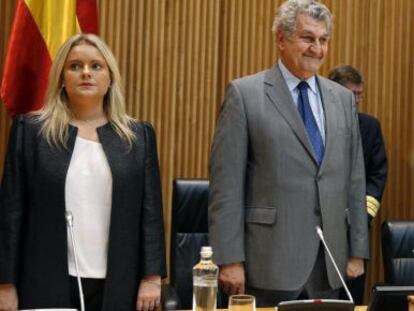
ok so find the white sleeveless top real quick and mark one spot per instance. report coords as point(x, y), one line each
point(88, 195)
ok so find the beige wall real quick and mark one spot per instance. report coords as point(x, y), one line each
point(176, 57)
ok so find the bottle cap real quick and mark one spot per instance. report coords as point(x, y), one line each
point(206, 251)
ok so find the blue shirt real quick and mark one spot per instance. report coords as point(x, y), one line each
point(314, 95)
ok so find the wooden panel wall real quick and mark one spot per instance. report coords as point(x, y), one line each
point(176, 57)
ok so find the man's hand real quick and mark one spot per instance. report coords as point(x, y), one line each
point(8, 297)
point(354, 267)
point(231, 278)
point(149, 293)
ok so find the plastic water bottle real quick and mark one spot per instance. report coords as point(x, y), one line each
point(205, 275)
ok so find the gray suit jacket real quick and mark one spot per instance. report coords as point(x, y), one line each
point(267, 192)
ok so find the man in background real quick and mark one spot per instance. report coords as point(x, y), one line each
point(375, 158)
point(287, 157)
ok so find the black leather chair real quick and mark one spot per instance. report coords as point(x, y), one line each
point(398, 252)
point(189, 232)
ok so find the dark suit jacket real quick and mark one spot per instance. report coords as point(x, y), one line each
point(33, 234)
point(375, 158)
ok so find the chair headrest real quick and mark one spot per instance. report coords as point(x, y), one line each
point(190, 205)
point(398, 238)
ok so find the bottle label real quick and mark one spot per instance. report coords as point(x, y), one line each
point(203, 282)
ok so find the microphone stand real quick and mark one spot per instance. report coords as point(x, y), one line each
point(321, 304)
point(321, 237)
point(69, 222)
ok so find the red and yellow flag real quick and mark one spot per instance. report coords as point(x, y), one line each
point(39, 28)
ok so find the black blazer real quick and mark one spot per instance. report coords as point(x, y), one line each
point(33, 233)
point(375, 157)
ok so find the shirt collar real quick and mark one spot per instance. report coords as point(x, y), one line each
point(292, 81)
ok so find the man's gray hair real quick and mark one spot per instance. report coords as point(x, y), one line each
point(286, 15)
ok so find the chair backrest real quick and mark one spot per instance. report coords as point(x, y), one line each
point(189, 232)
point(398, 252)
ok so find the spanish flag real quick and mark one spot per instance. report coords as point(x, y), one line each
point(39, 28)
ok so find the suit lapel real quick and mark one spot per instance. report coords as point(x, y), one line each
point(329, 102)
point(58, 168)
point(279, 95)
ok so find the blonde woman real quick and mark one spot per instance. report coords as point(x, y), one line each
point(84, 154)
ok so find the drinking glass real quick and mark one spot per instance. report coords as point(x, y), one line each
point(242, 303)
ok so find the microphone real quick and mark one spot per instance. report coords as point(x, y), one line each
point(321, 304)
point(69, 222)
point(320, 234)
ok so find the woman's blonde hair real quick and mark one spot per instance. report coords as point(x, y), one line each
point(55, 115)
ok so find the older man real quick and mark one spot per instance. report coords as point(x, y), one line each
point(287, 157)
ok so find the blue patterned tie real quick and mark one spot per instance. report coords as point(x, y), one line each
point(305, 112)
